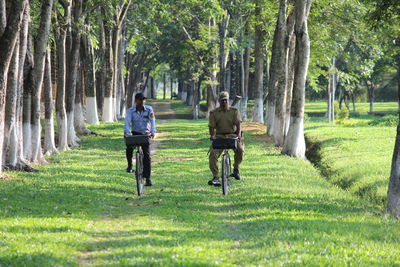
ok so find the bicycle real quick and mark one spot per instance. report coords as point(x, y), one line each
point(136, 141)
point(226, 144)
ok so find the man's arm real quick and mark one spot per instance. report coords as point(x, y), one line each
point(128, 120)
point(153, 129)
point(238, 119)
point(238, 129)
point(211, 125)
point(212, 133)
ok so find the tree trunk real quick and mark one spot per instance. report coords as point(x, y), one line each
point(73, 74)
point(279, 131)
point(27, 100)
point(273, 74)
point(393, 205)
point(290, 80)
point(108, 70)
point(245, 93)
point(49, 143)
point(164, 87)
point(9, 31)
point(222, 30)
point(371, 95)
point(152, 88)
point(41, 41)
point(295, 142)
point(258, 113)
point(121, 100)
point(79, 120)
point(21, 165)
point(195, 104)
point(61, 113)
point(90, 80)
point(10, 155)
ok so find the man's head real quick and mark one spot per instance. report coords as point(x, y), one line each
point(223, 99)
point(139, 100)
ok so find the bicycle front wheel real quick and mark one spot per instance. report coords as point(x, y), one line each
point(225, 173)
point(139, 173)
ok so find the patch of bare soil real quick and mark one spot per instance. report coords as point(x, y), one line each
point(171, 159)
point(6, 177)
point(253, 127)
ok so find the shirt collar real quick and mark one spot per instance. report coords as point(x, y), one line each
point(144, 108)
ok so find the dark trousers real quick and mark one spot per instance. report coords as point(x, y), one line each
point(146, 159)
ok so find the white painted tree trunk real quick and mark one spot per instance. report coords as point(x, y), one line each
point(184, 96)
point(243, 107)
point(62, 132)
point(270, 114)
point(27, 135)
point(258, 115)
point(295, 144)
point(91, 111)
point(108, 108)
point(49, 144)
point(72, 138)
point(36, 143)
point(79, 120)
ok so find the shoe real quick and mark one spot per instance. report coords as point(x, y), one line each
point(129, 169)
point(215, 182)
point(236, 174)
point(148, 182)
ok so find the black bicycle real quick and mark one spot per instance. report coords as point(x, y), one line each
point(136, 141)
point(226, 144)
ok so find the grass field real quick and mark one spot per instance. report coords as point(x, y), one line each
point(362, 108)
point(81, 210)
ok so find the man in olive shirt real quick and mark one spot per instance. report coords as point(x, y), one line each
point(224, 121)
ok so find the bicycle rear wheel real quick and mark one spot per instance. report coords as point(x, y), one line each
point(139, 173)
point(226, 166)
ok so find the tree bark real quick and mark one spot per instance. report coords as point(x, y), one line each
point(295, 142)
point(10, 154)
point(108, 70)
point(290, 80)
point(393, 205)
point(90, 80)
point(61, 113)
point(258, 113)
point(49, 143)
point(21, 165)
point(27, 100)
point(273, 73)
point(73, 73)
point(8, 39)
point(41, 41)
point(279, 132)
point(79, 120)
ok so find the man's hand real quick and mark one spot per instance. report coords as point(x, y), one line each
point(127, 134)
point(213, 137)
point(152, 135)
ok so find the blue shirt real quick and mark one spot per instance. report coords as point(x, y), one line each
point(142, 121)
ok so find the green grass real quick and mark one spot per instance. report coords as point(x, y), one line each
point(81, 209)
point(362, 108)
point(356, 158)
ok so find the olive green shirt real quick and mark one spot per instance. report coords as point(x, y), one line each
point(224, 121)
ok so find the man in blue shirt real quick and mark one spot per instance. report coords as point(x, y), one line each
point(140, 118)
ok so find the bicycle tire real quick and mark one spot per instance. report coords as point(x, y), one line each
point(139, 174)
point(225, 173)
